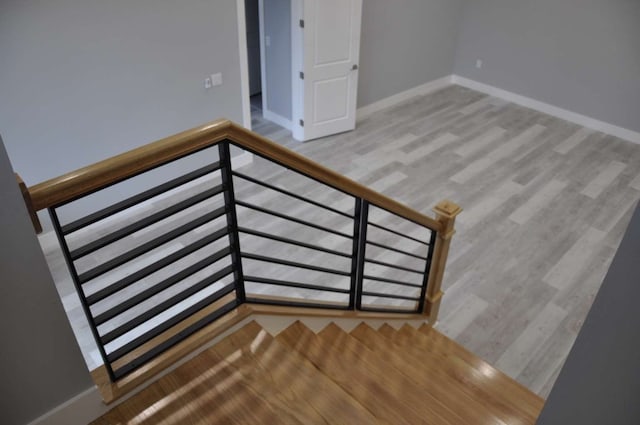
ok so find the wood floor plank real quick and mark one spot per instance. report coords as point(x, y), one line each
point(204, 390)
point(455, 382)
point(501, 261)
point(461, 362)
point(357, 380)
point(290, 382)
point(437, 408)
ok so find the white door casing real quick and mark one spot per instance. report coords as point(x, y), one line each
point(326, 47)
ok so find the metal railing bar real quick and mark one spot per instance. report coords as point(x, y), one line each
point(137, 342)
point(291, 194)
point(296, 304)
point(148, 246)
point(76, 283)
point(433, 229)
point(146, 271)
point(145, 222)
point(381, 295)
point(379, 245)
point(356, 254)
point(386, 229)
point(360, 251)
point(395, 282)
point(262, 258)
point(388, 310)
point(293, 169)
point(427, 271)
point(160, 286)
point(394, 266)
point(136, 199)
point(291, 241)
point(288, 217)
point(277, 282)
point(165, 305)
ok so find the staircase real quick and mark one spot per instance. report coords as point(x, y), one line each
point(367, 376)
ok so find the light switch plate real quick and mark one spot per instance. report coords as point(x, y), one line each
point(216, 79)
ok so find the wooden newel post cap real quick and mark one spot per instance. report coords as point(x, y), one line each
point(447, 209)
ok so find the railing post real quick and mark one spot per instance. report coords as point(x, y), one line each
point(446, 212)
point(27, 200)
point(232, 219)
point(363, 221)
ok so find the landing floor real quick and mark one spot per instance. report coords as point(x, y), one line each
point(546, 204)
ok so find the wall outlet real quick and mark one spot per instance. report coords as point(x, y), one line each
point(479, 63)
point(216, 79)
point(267, 41)
point(207, 83)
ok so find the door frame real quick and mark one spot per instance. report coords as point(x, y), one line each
point(244, 65)
point(297, 64)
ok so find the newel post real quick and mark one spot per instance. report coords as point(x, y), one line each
point(29, 204)
point(446, 212)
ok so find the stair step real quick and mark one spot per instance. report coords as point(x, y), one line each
point(390, 397)
point(406, 376)
point(206, 390)
point(453, 390)
point(288, 381)
point(475, 372)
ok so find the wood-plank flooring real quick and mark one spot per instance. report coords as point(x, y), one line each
point(545, 201)
point(389, 376)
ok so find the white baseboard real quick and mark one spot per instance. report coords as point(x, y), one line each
point(277, 119)
point(79, 410)
point(245, 158)
point(422, 89)
point(583, 120)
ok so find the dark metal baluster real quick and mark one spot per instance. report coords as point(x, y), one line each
point(232, 219)
point(354, 256)
point(427, 270)
point(362, 245)
point(83, 300)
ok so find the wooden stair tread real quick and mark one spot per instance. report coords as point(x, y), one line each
point(456, 359)
point(455, 385)
point(426, 398)
point(288, 381)
point(201, 391)
point(361, 377)
point(388, 376)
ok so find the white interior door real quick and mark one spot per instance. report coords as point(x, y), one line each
point(326, 52)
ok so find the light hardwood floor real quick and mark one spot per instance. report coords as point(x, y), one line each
point(546, 204)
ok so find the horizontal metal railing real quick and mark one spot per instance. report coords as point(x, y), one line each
point(164, 262)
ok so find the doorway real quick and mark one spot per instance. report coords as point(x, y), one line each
point(268, 34)
point(308, 52)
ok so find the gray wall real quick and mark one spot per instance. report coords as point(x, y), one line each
point(581, 55)
point(82, 80)
point(405, 43)
point(600, 381)
point(40, 363)
point(277, 25)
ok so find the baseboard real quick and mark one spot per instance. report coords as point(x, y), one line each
point(277, 119)
point(583, 120)
point(422, 89)
point(241, 160)
point(79, 410)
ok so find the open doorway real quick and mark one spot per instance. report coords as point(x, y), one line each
point(268, 34)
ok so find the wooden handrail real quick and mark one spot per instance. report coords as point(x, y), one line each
point(119, 167)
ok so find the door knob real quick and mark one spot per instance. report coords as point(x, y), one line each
point(354, 67)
